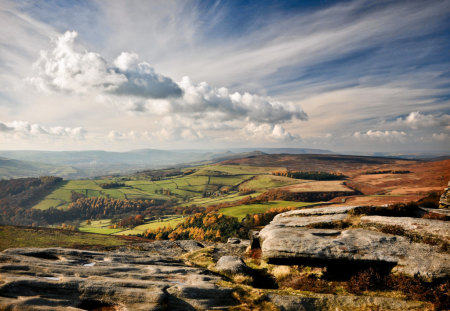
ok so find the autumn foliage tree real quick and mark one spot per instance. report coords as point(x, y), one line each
point(210, 227)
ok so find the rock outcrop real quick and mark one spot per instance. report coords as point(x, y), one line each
point(69, 279)
point(289, 240)
point(444, 201)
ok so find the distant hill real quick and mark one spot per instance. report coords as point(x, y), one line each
point(312, 162)
point(10, 168)
point(82, 164)
point(284, 150)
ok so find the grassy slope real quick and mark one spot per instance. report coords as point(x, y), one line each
point(171, 221)
point(11, 236)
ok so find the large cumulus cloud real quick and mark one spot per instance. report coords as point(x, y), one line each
point(134, 86)
point(65, 68)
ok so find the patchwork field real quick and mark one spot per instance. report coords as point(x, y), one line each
point(206, 180)
point(232, 180)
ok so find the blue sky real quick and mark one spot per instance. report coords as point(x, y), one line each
point(119, 75)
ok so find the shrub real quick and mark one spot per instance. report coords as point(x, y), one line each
point(365, 280)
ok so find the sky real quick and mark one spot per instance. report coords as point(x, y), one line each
point(363, 75)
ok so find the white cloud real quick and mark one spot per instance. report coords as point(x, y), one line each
point(270, 132)
point(387, 136)
point(26, 130)
point(417, 120)
point(64, 68)
point(126, 60)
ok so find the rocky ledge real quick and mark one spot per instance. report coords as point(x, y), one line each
point(69, 279)
point(300, 238)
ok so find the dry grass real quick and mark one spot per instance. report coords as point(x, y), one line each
point(281, 272)
point(242, 279)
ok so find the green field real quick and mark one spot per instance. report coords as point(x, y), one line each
point(241, 211)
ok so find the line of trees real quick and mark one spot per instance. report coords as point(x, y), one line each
point(315, 175)
point(387, 172)
point(111, 185)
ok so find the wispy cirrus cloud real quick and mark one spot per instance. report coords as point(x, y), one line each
point(272, 72)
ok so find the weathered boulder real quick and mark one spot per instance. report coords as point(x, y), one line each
point(69, 279)
point(231, 264)
point(424, 227)
point(343, 303)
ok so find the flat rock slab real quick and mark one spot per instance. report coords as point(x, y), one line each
point(326, 210)
point(343, 303)
point(309, 216)
point(438, 228)
point(352, 248)
point(69, 279)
